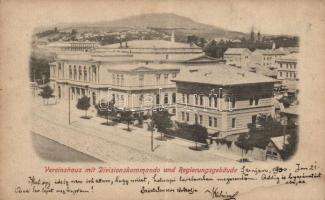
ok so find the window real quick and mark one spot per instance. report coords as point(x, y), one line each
point(85, 73)
point(183, 116)
point(210, 121)
point(70, 72)
point(141, 77)
point(80, 73)
point(215, 122)
point(141, 99)
point(254, 119)
point(183, 98)
point(174, 97)
point(280, 65)
point(122, 80)
point(174, 75)
point(157, 99)
point(251, 101)
point(280, 74)
point(187, 117)
point(59, 71)
point(157, 79)
point(210, 101)
point(196, 99)
point(117, 79)
point(233, 123)
point(74, 73)
point(201, 100)
point(256, 101)
point(113, 79)
point(165, 78)
point(166, 99)
point(187, 99)
point(215, 102)
point(196, 118)
point(233, 103)
point(201, 119)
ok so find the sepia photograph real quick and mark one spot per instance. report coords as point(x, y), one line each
point(163, 87)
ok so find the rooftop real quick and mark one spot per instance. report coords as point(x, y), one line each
point(290, 57)
point(293, 110)
point(143, 67)
point(221, 74)
point(152, 44)
point(280, 141)
point(236, 50)
point(269, 52)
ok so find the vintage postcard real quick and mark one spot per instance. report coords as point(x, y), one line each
point(162, 100)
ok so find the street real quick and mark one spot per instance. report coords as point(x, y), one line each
point(110, 143)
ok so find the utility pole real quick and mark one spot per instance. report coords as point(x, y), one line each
point(151, 135)
point(69, 106)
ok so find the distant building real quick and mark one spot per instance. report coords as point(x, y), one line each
point(222, 98)
point(72, 46)
point(239, 57)
point(267, 57)
point(287, 67)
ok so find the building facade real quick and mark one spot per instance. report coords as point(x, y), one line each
point(223, 99)
point(137, 76)
point(287, 67)
point(267, 57)
point(239, 57)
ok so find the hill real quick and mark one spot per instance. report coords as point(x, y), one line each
point(155, 21)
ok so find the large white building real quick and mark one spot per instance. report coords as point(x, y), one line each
point(137, 74)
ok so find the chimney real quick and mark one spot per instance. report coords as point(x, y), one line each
point(172, 38)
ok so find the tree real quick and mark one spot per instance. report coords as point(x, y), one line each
point(162, 121)
point(84, 104)
point(290, 148)
point(46, 93)
point(243, 143)
point(127, 116)
point(199, 134)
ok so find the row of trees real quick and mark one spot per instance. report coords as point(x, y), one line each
point(258, 136)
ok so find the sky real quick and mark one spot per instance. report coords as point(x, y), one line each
point(269, 17)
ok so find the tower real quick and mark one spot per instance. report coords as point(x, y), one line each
point(172, 38)
point(259, 36)
point(252, 35)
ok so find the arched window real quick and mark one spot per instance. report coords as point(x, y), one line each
point(85, 73)
point(80, 73)
point(74, 73)
point(70, 72)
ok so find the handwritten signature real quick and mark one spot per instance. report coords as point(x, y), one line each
point(217, 193)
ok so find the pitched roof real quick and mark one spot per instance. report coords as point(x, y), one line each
point(143, 67)
point(289, 58)
point(153, 44)
point(236, 50)
point(220, 74)
point(258, 68)
point(278, 141)
point(269, 52)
